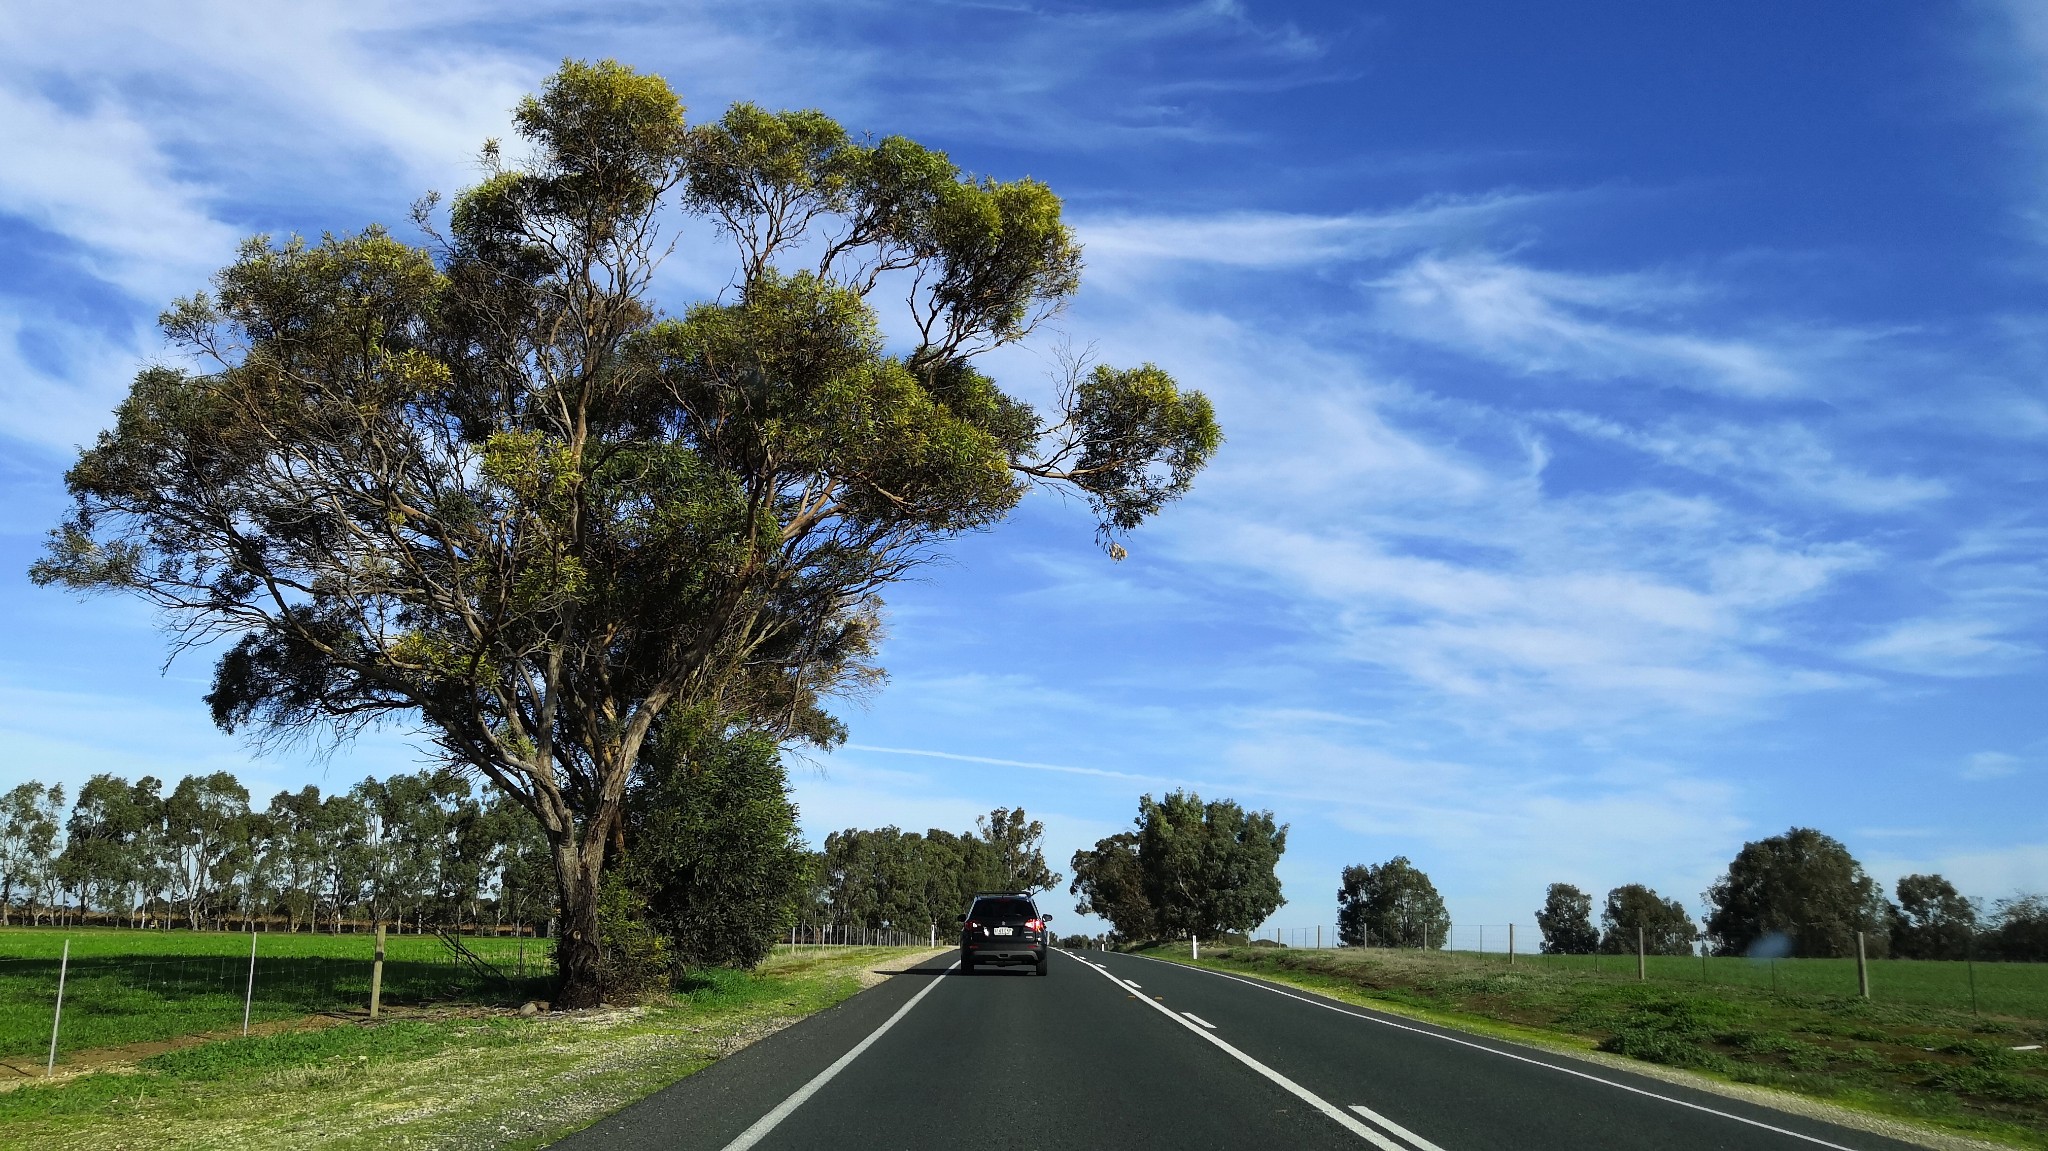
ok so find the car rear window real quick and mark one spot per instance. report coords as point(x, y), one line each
point(1002, 911)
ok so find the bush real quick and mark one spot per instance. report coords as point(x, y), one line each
point(633, 958)
point(714, 849)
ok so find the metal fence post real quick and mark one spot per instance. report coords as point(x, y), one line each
point(63, 968)
point(1511, 945)
point(1641, 968)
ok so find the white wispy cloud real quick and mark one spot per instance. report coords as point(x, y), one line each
point(1947, 645)
point(1117, 244)
point(1989, 597)
point(1602, 327)
point(1990, 765)
point(1779, 461)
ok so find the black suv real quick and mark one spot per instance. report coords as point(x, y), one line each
point(1003, 928)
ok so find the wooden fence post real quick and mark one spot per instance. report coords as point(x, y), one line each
point(377, 974)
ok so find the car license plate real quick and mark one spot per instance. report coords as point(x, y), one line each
point(1003, 931)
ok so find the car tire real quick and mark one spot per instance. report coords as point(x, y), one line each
point(967, 967)
point(1043, 966)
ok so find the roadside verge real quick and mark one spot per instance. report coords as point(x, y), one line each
point(482, 1079)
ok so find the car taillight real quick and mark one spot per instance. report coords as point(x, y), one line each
point(1035, 924)
point(972, 925)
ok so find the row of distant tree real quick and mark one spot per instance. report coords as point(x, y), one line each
point(714, 871)
point(1207, 869)
point(1800, 894)
point(416, 848)
point(891, 878)
point(1803, 894)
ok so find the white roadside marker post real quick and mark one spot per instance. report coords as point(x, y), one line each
point(249, 992)
point(63, 968)
point(1195, 941)
point(1862, 969)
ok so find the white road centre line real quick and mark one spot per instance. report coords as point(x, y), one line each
point(773, 1119)
point(1290, 1086)
point(1398, 1130)
point(1815, 1140)
point(1199, 1019)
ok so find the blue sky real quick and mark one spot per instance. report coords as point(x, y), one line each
point(1636, 415)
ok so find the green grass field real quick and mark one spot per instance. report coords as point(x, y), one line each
point(2019, 990)
point(124, 987)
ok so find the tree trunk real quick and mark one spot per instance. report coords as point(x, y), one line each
point(577, 951)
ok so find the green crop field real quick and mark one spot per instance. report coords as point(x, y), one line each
point(124, 987)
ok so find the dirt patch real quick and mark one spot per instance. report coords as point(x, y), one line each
point(19, 1069)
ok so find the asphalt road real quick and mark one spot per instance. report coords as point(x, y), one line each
point(1117, 1051)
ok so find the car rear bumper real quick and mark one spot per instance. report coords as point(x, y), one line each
point(1003, 953)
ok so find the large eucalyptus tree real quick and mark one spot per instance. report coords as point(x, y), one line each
point(489, 486)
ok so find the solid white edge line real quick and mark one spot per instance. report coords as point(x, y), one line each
point(1297, 1090)
point(1398, 1131)
point(770, 1121)
point(1816, 1140)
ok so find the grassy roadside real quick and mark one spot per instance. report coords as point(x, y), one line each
point(455, 1078)
point(1933, 1067)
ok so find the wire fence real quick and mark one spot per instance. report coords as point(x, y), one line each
point(805, 935)
point(2014, 989)
point(103, 989)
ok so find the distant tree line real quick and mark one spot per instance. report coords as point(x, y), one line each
point(1801, 894)
point(1187, 868)
point(415, 849)
point(890, 878)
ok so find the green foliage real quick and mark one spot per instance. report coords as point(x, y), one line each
point(1111, 884)
point(1931, 919)
point(1635, 913)
point(2021, 933)
point(1392, 904)
point(913, 881)
point(633, 955)
point(1011, 842)
point(1140, 442)
point(1804, 885)
point(1566, 921)
point(1208, 868)
point(713, 845)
